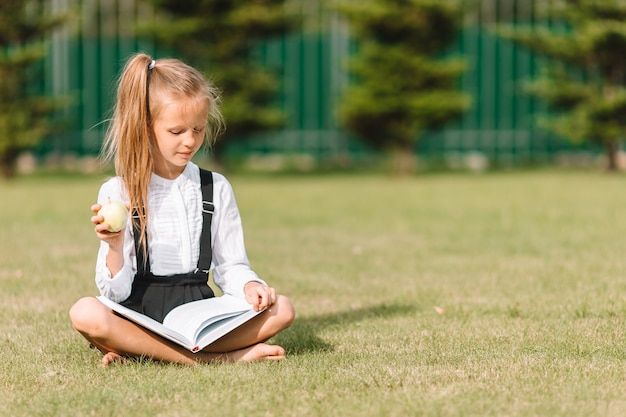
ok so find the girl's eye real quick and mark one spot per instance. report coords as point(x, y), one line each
point(197, 130)
point(175, 132)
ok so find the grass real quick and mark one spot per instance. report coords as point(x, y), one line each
point(440, 295)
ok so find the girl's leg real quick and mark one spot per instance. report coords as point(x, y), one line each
point(114, 336)
point(267, 324)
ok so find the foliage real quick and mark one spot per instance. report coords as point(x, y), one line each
point(218, 37)
point(24, 115)
point(585, 83)
point(402, 87)
point(456, 302)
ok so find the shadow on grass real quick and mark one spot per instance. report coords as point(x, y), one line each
point(302, 336)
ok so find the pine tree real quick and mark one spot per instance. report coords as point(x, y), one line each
point(218, 37)
point(401, 85)
point(584, 84)
point(24, 115)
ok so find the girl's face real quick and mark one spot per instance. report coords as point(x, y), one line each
point(179, 132)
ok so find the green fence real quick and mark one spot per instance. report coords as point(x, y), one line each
point(86, 57)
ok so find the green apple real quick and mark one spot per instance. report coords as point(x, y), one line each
point(115, 215)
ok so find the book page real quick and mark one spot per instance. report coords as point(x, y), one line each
point(148, 323)
point(191, 318)
point(220, 328)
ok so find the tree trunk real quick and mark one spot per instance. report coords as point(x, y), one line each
point(611, 149)
point(8, 164)
point(403, 160)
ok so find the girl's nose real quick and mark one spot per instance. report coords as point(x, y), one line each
point(189, 138)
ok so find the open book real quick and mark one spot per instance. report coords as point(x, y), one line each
point(193, 325)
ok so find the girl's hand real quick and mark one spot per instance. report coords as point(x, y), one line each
point(115, 240)
point(259, 295)
point(101, 229)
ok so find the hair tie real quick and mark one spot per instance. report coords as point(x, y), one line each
point(152, 65)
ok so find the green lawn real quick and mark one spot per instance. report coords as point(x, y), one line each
point(439, 295)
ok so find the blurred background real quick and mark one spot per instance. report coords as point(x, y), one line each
point(311, 84)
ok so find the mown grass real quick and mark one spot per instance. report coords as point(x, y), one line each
point(439, 295)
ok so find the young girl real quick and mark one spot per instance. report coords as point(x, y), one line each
point(165, 110)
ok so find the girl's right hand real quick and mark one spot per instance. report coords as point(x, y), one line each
point(115, 240)
point(101, 229)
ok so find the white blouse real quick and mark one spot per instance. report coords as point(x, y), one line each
point(174, 229)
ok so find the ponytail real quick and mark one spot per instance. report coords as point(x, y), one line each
point(128, 137)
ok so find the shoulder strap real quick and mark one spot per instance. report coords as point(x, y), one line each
point(206, 252)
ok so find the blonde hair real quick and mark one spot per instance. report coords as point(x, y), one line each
point(144, 88)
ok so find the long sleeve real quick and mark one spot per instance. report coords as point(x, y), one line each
point(231, 268)
point(118, 287)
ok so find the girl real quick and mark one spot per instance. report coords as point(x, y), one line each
point(164, 112)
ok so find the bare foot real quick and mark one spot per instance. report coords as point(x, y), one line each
point(111, 357)
point(258, 352)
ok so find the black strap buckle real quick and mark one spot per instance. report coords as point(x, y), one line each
point(208, 207)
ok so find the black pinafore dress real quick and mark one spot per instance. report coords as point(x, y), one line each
point(156, 295)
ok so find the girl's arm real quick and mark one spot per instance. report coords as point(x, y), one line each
point(115, 265)
point(231, 268)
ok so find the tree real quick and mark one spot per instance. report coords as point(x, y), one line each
point(401, 87)
point(218, 37)
point(24, 115)
point(584, 83)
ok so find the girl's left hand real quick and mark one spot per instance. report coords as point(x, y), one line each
point(259, 295)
